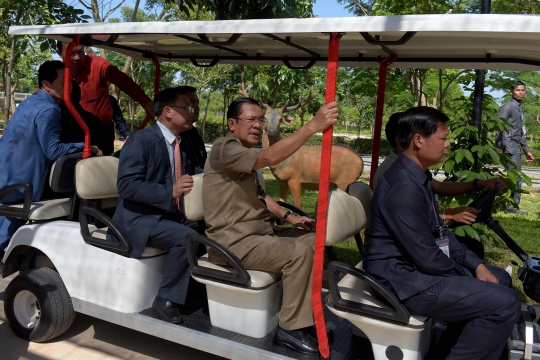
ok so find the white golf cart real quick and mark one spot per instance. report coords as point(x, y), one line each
point(66, 264)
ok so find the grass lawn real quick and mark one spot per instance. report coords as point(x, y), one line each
point(523, 229)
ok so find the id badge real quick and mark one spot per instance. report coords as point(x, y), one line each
point(444, 244)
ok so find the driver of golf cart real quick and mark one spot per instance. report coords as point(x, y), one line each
point(411, 251)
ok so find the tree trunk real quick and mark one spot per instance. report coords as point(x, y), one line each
point(7, 84)
point(204, 119)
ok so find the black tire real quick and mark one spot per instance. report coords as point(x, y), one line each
point(55, 312)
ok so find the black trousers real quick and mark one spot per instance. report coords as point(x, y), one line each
point(484, 312)
point(170, 235)
point(517, 159)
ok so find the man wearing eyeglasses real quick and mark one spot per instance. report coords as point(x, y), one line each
point(153, 174)
point(237, 218)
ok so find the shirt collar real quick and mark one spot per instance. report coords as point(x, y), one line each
point(421, 176)
point(167, 134)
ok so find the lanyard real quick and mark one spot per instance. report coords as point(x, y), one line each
point(518, 108)
point(437, 218)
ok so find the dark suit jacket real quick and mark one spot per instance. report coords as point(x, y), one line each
point(145, 185)
point(400, 245)
point(196, 148)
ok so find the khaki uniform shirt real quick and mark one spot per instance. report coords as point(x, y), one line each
point(234, 214)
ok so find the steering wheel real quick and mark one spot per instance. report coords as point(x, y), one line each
point(483, 203)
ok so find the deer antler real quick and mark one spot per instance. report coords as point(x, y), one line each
point(300, 102)
point(245, 90)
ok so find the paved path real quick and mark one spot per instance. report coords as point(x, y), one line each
point(91, 339)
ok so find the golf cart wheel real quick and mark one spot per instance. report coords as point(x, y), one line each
point(37, 305)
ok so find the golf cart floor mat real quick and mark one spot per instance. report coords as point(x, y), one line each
point(344, 347)
point(516, 343)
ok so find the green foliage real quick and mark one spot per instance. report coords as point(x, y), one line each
point(473, 155)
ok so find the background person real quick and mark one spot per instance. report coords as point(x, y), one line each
point(93, 74)
point(413, 254)
point(238, 219)
point(31, 142)
point(513, 141)
point(192, 136)
point(118, 118)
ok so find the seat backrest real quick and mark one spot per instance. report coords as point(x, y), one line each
point(347, 212)
point(62, 175)
point(96, 177)
point(192, 202)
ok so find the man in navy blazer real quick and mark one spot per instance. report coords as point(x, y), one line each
point(147, 210)
point(412, 252)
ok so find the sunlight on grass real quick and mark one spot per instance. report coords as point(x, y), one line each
point(524, 229)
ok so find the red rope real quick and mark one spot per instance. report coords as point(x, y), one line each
point(67, 99)
point(322, 209)
point(157, 79)
point(383, 71)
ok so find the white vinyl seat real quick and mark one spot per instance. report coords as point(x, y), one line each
point(248, 304)
point(96, 180)
point(61, 180)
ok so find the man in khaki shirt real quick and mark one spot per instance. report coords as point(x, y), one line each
point(237, 218)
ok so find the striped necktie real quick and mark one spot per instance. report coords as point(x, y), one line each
point(178, 170)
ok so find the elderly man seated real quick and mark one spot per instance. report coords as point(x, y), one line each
point(237, 218)
point(409, 248)
point(152, 178)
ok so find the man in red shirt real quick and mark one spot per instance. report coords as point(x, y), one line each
point(93, 74)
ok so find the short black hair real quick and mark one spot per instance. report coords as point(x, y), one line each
point(423, 120)
point(49, 71)
point(187, 89)
point(235, 109)
point(516, 84)
point(165, 98)
point(391, 129)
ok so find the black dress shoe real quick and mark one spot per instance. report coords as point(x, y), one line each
point(298, 340)
point(313, 332)
point(167, 310)
point(513, 210)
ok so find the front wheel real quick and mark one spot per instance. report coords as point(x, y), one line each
point(37, 305)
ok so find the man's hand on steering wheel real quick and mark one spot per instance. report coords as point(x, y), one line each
point(302, 222)
point(490, 183)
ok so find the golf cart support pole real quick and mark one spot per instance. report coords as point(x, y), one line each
point(322, 208)
point(67, 98)
point(157, 80)
point(476, 118)
point(383, 71)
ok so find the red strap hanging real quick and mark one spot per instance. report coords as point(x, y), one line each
point(157, 79)
point(322, 209)
point(383, 71)
point(67, 99)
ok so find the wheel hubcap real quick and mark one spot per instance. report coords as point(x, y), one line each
point(27, 309)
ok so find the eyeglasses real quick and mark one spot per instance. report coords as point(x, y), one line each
point(189, 108)
point(261, 121)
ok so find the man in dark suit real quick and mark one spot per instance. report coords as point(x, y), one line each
point(151, 186)
point(411, 251)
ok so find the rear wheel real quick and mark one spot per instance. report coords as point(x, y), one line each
point(37, 305)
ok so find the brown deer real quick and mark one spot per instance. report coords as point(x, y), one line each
point(303, 167)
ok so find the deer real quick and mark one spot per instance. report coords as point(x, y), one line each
point(301, 170)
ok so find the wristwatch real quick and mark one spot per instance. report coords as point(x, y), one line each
point(289, 212)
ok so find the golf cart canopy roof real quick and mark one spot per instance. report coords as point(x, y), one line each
point(498, 42)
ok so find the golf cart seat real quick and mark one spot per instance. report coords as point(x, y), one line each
point(377, 314)
point(61, 180)
point(244, 301)
point(96, 183)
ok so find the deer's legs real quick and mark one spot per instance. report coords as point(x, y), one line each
point(296, 190)
point(283, 191)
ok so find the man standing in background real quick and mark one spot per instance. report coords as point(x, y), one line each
point(513, 141)
point(192, 137)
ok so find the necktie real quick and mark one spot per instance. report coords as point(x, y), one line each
point(178, 170)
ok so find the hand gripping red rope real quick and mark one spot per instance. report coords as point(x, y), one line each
point(67, 99)
point(157, 79)
point(322, 209)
